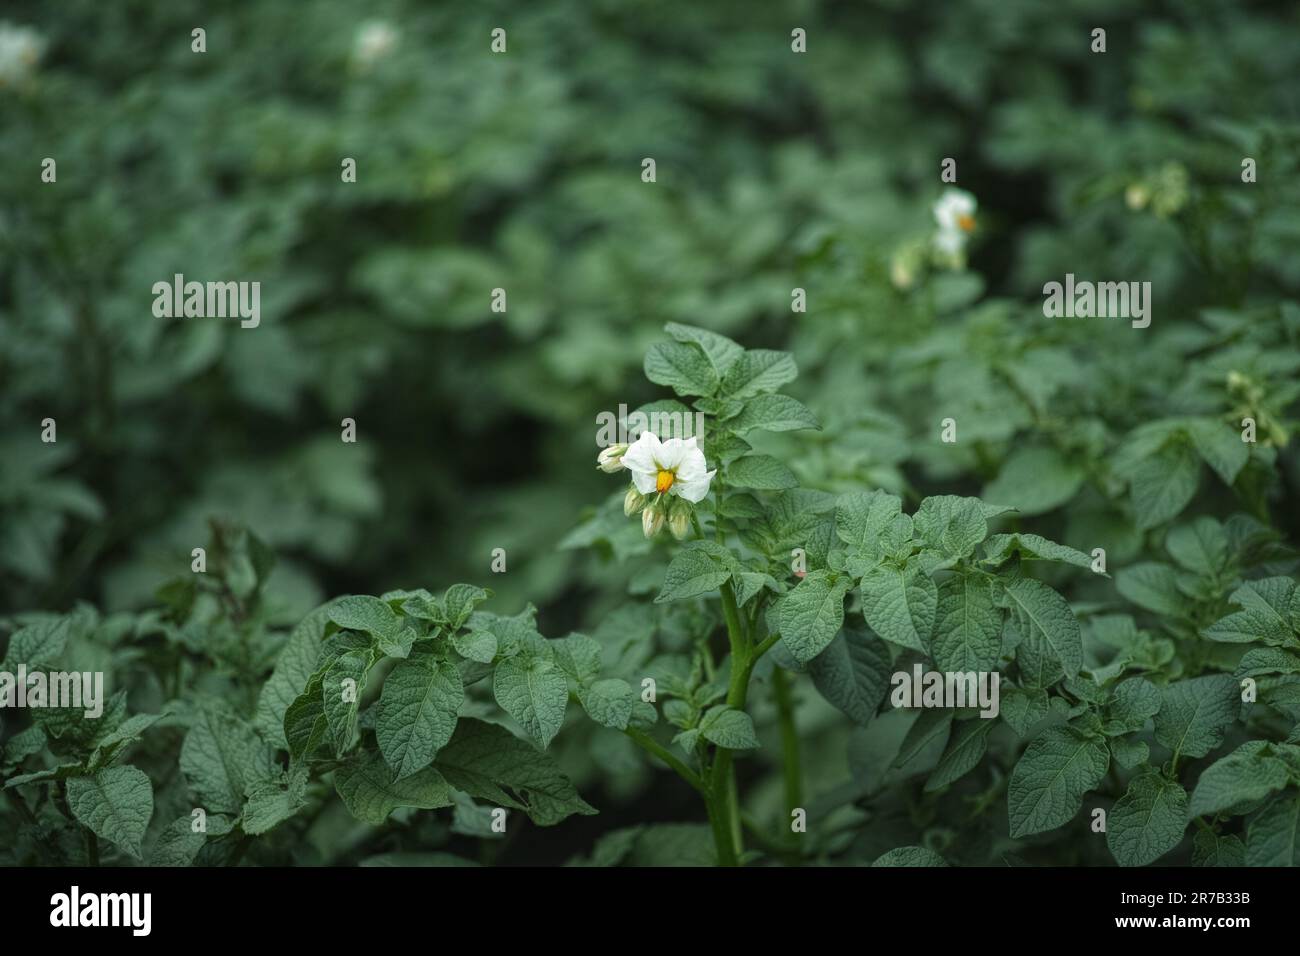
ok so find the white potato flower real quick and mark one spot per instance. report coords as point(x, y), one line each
point(21, 49)
point(954, 212)
point(375, 40)
point(674, 467)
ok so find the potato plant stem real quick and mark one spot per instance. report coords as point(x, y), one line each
point(724, 779)
point(652, 746)
point(791, 771)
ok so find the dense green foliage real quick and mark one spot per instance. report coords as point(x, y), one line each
point(917, 469)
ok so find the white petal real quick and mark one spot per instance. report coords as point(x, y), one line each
point(671, 453)
point(692, 465)
point(947, 241)
point(695, 489)
point(644, 481)
point(640, 457)
point(951, 206)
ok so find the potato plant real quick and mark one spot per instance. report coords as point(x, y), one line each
point(416, 700)
point(898, 554)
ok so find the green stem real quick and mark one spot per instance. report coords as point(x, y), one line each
point(735, 629)
point(789, 740)
point(764, 646)
point(722, 837)
point(652, 746)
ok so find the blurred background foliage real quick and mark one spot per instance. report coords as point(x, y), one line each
point(775, 170)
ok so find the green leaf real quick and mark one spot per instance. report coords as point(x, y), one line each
point(1045, 623)
point(179, 844)
point(1212, 849)
point(1031, 547)
point(1129, 753)
point(609, 702)
point(113, 744)
point(1037, 480)
point(762, 472)
point(480, 646)
point(1047, 785)
point(1148, 821)
point(749, 583)
point(810, 615)
point(61, 772)
point(373, 616)
point(699, 568)
point(222, 757)
point(341, 687)
point(417, 711)
point(1134, 701)
point(1273, 835)
point(900, 605)
point(726, 449)
point(488, 762)
point(293, 668)
point(758, 371)
point(967, 625)
point(730, 728)
point(579, 657)
point(931, 728)
point(910, 856)
point(1152, 586)
point(861, 518)
point(1248, 774)
point(1023, 707)
point(533, 690)
point(459, 603)
point(371, 791)
point(1265, 614)
point(38, 644)
point(1195, 713)
point(115, 804)
point(964, 752)
point(951, 525)
point(1163, 484)
point(773, 413)
point(721, 351)
point(852, 673)
point(305, 726)
point(272, 802)
point(683, 368)
point(470, 819)
point(22, 745)
point(1220, 446)
point(1200, 546)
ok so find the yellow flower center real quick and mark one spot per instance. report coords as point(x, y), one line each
point(664, 481)
point(967, 223)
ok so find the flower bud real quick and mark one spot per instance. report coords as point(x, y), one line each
point(652, 521)
point(610, 459)
point(633, 501)
point(679, 518)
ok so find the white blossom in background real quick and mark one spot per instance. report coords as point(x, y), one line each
point(375, 40)
point(21, 49)
point(954, 212)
